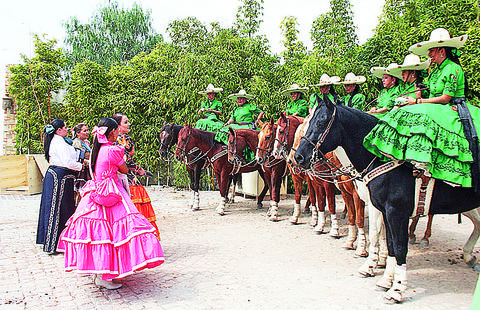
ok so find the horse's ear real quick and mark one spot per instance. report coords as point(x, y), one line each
point(171, 126)
point(164, 123)
point(282, 115)
point(260, 123)
point(271, 120)
point(230, 130)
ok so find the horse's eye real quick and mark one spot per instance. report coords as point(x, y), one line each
point(267, 138)
point(281, 132)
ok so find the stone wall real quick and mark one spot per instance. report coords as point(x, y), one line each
point(9, 121)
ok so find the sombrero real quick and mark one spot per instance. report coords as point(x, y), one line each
point(327, 80)
point(241, 94)
point(210, 89)
point(380, 71)
point(295, 89)
point(411, 62)
point(351, 78)
point(438, 38)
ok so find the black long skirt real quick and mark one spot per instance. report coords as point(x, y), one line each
point(56, 206)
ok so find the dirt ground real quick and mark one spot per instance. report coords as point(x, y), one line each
point(237, 261)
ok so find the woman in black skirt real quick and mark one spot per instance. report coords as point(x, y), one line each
point(57, 203)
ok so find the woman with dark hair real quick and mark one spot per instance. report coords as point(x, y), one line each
point(354, 98)
point(211, 110)
point(57, 203)
point(80, 133)
point(299, 105)
point(429, 131)
point(139, 195)
point(391, 89)
point(327, 92)
point(107, 236)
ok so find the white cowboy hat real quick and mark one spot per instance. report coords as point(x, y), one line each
point(295, 89)
point(351, 78)
point(210, 89)
point(411, 62)
point(380, 71)
point(438, 38)
point(241, 94)
point(327, 80)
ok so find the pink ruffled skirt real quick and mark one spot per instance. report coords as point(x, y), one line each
point(114, 241)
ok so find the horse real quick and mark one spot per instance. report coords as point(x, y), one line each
point(195, 162)
point(391, 192)
point(216, 154)
point(284, 139)
point(322, 187)
point(276, 167)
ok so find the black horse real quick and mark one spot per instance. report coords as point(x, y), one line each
point(393, 192)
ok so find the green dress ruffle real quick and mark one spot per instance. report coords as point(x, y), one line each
point(428, 133)
point(210, 122)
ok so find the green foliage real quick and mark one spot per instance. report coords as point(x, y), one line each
point(114, 35)
point(294, 49)
point(189, 33)
point(32, 85)
point(249, 16)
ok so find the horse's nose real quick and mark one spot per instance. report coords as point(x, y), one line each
point(299, 159)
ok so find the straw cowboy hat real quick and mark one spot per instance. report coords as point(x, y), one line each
point(380, 71)
point(327, 80)
point(241, 94)
point(438, 38)
point(295, 89)
point(210, 89)
point(411, 62)
point(351, 78)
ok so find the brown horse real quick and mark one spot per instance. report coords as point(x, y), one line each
point(276, 167)
point(216, 153)
point(323, 187)
point(284, 138)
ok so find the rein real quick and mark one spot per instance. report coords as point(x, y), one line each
point(201, 154)
point(238, 162)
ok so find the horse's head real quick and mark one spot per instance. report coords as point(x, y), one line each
point(284, 137)
point(322, 135)
point(299, 133)
point(166, 140)
point(183, 142)
point(266, 138)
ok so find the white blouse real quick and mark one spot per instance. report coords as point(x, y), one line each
point(63, 154)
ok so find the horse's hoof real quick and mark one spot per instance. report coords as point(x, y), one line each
point(412, 240)
point(195, 207)
point(274, 218)
point(394, 294)
point(220, 211)
point(424, 243)
point(260, 205)
point(348, 245)
point(361, 253)
point(318, 229)
point(307, 210)
point(382, 263)
point(293, 220)
point(334, 233)
point(367, 269)
point(384, 284)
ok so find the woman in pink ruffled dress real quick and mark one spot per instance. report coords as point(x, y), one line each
point(107, 236)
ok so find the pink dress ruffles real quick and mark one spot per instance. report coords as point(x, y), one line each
point(107, 235)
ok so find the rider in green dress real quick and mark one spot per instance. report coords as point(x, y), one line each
point(211, 109)
point(354, 98)
point(326, 90)
point(241, 116)
point(430, 133)
point(392, 88)
point(298, 106)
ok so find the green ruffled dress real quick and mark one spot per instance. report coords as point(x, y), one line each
point(358, 101)
point(299, 106)
point(429, 133)
point(243, 117)
point(210, 121)
point(386, 99)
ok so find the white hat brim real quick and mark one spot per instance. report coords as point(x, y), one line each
point(215, 90)
point(302, 90)
point(360, 80)
point(398, 70)
point(380, 71)
point(421, 49)
point(235, 96)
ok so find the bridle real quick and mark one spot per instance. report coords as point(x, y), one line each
point(185, 155)
point(270, 161)
point(283, 149)
point(166, 145)
point(238, 162)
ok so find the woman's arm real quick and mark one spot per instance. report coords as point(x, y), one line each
point(441, 99)
point(123, 168)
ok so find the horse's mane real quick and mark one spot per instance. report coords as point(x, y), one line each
point(206, 136)
point(367, 121)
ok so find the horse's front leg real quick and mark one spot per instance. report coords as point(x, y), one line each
point(359, 205)
point(468, 257)
point(196, 185)
point(352, 228)
point(396, 224)
point(376, 229)
point(297, 208)
point(222, 179)
point(330, 194)
point(191, 177)
point(428, 233)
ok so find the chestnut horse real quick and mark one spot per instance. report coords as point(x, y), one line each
point(391, 192)
point(215, 152)
point(322, 187)
point(276, 167)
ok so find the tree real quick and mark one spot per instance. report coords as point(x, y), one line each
point(249, 16)
point(294, 49)
point(333, 33)
point(113, 35)
point(32, 85)
point(189, 33)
